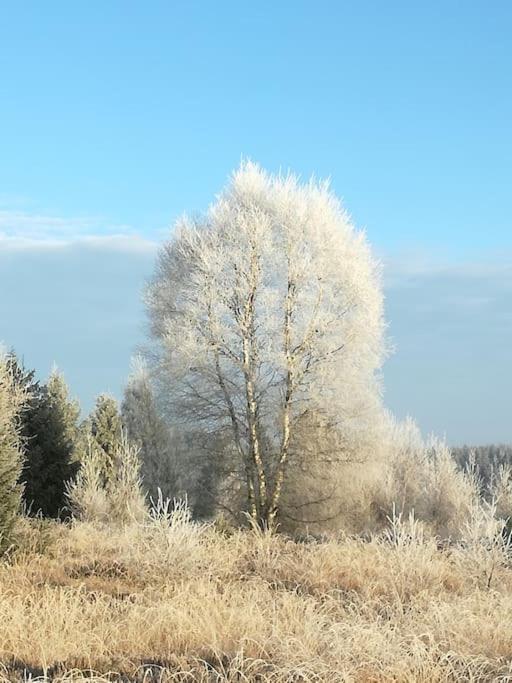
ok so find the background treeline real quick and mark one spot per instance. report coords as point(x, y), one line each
point(109, 466)
point(488, 460)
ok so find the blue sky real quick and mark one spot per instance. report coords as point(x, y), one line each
point(116, 117)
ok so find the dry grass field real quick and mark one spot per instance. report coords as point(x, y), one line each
point(169, 600)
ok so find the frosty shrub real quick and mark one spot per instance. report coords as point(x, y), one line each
point(117, 497)
point(421, 476)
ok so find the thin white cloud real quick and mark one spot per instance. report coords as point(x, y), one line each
point(407, 269)
point(132, 243)
point(21, 230)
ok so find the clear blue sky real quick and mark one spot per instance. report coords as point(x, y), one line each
point(115, 117)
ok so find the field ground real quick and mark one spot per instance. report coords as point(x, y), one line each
point(169, 600)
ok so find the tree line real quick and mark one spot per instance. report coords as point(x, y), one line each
point(55, 442)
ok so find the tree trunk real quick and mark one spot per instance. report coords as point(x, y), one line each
point(285, 440)
point(260, 489)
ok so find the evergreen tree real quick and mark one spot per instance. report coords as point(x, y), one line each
point(51, 438)
point(146, 428)
point(11, 456)
point(106, 428)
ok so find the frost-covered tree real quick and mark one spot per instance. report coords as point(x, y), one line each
point(146, 427)
point(51, 434)
point(12, 397)
point(116, 498)
point(105, 425)
point(108, 484)
point(267, 318)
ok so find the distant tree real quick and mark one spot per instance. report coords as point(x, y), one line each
point(51, 432)
point(12, 397)
point(146, 427)
point(106, 428)
point(267, 318)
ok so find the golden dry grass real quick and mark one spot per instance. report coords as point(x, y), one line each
point(176, 601)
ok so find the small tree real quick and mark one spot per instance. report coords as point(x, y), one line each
point(87, 494)
point(106, 428)
point(115, 498)
point(12, 397)
point(267, 315)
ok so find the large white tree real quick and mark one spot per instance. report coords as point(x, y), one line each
point(267, 313)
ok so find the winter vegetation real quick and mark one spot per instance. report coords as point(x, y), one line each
point(250, 511)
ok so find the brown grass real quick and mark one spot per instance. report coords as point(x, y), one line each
point(169, 600)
